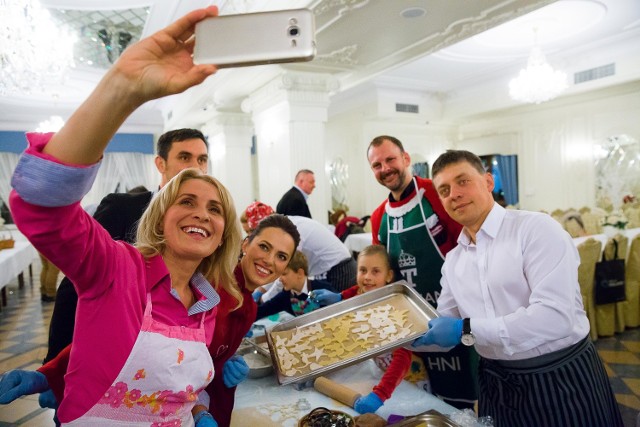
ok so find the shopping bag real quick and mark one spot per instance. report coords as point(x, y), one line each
point(609, 286)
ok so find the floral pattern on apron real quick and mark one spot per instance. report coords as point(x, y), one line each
point(160, 381)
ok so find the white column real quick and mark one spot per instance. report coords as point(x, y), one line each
point(229, 136)
point(290, 115)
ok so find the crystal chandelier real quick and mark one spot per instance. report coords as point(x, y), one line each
point(35, 52)
point(538, 82)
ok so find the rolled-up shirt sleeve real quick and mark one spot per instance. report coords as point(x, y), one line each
point(42, 180)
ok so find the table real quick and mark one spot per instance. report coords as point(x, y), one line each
point(357, 242)
point(14, 261)
point(603, 238)
point(262, 402)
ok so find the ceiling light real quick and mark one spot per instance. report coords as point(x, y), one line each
point(34, 51)
point(413, 12)
point(52, 124)
point(538, 82)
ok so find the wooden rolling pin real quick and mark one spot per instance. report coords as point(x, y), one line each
point(336, 391)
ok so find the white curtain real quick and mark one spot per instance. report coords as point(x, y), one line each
point(8, 162)
point(106, 181)
point(123, 171)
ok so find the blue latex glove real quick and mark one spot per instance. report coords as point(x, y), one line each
point(368, 404)
point(443, 331)
point(256, 295)
point(205, 419)
point(47, 400)
point(17, 383)
point(325, 297)
point(234, 371)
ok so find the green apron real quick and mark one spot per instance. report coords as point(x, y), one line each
point(404, 230)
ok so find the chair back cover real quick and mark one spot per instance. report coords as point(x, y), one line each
point(589, 252)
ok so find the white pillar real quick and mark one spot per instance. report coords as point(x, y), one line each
point(290, 115)
point(230, 138)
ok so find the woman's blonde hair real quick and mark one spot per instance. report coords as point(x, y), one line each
point(218, 267)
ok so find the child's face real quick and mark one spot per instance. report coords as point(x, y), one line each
point(292, 280)
point(373, 272)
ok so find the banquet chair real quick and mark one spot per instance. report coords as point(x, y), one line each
point(584, 210)
point(592, 222)
point(557, 214)
point(632, 285)
point(589, 252)
point(610, 317)
point(633, 216)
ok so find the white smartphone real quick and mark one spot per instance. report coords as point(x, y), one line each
point(256, 38)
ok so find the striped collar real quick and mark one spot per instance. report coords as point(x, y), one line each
point(207, 297)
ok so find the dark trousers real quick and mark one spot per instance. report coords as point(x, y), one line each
point(566, 388)
point(343, 275)
point(63, 319)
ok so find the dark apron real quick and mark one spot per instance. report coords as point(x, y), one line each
point(418, 260)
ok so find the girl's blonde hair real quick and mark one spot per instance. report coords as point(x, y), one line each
point(376, 250)
point(218, 267)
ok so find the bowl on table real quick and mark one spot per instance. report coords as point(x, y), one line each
point(259, 364)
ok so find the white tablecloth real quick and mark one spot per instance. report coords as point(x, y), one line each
point(15, 261)
point(357, 242)
point(630, 233)
point(262, 402)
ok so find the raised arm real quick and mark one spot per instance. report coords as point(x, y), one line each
point(157, 66)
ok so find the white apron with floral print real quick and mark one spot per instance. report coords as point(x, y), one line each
point(160, 381)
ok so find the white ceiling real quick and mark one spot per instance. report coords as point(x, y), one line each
point(447, 51)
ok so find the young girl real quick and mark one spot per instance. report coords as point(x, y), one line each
point(374, 271)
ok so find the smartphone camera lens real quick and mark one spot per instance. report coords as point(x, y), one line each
point(294, 31)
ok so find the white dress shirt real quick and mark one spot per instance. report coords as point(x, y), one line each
point(322, 248)
point(519, 285)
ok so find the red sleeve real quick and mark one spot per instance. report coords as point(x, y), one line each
point(398, 368)
point(350, 292)
point(376, 219)
point(54, 370)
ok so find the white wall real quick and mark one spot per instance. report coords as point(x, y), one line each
point(553, 141)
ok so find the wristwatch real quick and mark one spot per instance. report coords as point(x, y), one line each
point(467, 337)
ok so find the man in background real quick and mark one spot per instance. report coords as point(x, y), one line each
point(417, 232)
point(294, 201)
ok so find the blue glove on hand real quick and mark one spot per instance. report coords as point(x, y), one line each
point(17, 383)
point(48, 400)
point(443, 331)
point(256, 295)
point(325, 297)
point(368, 404)
point(204, 419)
point(234, 371)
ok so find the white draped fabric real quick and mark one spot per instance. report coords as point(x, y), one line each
point(8, 162)
point(121, 171)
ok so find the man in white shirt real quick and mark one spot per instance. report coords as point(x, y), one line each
point(511, 288)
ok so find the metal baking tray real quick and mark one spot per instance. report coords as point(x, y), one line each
point(398, 293)
point(431, 418)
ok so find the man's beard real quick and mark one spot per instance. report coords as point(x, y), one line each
point(395, 185)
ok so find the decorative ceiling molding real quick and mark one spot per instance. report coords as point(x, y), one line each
point(343, 6)
point(295, 87)
point(344, 56)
